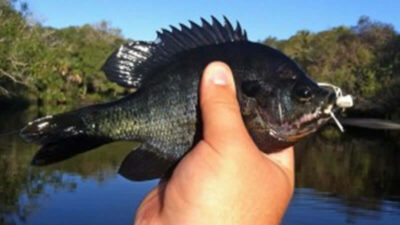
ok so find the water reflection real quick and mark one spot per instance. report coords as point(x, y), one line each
point(356, 175)
point(351, 166)
point(351, 178)
point(310, 207)
point(23, 188)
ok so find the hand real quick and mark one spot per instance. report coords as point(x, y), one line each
point(225, 178)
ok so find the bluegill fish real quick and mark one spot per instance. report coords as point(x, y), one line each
point(279, 103)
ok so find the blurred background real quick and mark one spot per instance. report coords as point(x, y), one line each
point(50, 58)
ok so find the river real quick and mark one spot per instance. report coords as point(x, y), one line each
point(352, 178)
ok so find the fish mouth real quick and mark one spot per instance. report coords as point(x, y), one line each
point(308, 123)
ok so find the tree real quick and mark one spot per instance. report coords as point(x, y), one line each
point(363, 60)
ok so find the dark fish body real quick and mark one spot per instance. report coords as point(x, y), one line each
point(279, 103)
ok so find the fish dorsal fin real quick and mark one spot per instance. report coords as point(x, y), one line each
point(131, 63)
point(175, 41)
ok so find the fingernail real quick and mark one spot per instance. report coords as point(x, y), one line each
point(219, 77)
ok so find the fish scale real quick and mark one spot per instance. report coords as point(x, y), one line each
point(279, 104)
point(165, 117)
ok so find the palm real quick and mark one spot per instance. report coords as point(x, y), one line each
point(204, 180)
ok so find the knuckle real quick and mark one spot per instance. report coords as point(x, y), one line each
point(229, 105)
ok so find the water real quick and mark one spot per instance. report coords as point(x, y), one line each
point(351, 179)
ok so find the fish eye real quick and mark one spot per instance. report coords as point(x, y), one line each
point(303, 94)
point(251, 87)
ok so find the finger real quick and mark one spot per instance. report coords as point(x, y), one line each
point(150, 207)
point(222, 120)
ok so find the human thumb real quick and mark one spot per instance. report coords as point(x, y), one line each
point(222, 121)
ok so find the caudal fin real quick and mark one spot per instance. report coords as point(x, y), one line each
point(61, 136)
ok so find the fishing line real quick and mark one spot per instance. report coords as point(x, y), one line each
point(346, 101)
point(371, 123)
point(342, 102)
point(337, 121)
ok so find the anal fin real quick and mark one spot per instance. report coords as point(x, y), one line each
point(145, 163)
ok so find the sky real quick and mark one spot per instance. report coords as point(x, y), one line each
point(140, 19)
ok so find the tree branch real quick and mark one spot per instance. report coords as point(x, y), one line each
point(9, 76)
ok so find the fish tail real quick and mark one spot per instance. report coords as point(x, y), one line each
point(61, 136)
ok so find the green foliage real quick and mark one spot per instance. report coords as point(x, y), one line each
point(55, 66)
point(62, 65)
point(363, 60)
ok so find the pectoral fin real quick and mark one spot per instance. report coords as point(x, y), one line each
point(145, 163)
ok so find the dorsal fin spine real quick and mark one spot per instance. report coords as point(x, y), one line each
point(165, 41)
point(172, 39)
point(238, 30)
point(219, 29)
point(229, 28)
point(210, 32)
point(189, 33)
point(197, 31)
point(191, 41)
point(181, 37)
point(245, 35)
